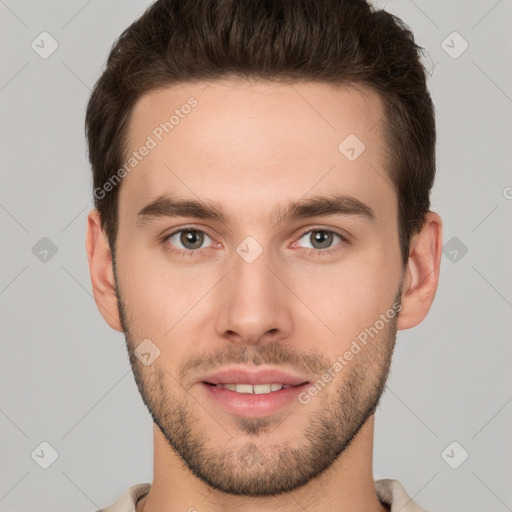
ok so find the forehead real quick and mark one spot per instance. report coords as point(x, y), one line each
point(249, 146)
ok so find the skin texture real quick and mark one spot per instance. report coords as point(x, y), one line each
point(252, 147)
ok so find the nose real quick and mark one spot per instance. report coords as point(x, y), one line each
point(254, 302)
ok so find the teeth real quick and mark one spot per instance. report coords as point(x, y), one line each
point(244, 388)
point(258, 389)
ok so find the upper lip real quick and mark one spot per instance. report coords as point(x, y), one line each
point(240, 375)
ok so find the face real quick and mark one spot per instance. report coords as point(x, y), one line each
point(246, 281)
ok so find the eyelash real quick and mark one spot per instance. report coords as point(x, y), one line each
point(311, 252)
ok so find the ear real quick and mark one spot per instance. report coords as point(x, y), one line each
point(422, 272)
point(102, 274)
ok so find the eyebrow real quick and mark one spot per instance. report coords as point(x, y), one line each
point(319, 206)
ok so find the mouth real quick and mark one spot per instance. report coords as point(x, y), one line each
point(257, 389)
point(253, 401)
point(253, 392)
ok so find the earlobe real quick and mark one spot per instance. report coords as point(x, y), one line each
point(422, 272)
point(100, 268)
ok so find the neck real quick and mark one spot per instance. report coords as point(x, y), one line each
point(347, 485)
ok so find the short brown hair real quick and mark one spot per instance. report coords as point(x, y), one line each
point(330, 41)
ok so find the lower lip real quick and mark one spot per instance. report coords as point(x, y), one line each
point(250, 405)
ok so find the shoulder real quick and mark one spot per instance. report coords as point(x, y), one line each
point(392, 493)
point(127, 501)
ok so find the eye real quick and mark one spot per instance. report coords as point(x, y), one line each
point(190, 239)
point(321, 240)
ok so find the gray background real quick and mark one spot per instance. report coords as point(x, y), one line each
point(65, 375)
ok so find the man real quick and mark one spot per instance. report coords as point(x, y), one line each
point(262, 173)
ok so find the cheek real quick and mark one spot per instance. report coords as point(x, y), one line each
point(329, 305)
point(156, 295)
point(349, 296)
point(169, 301)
